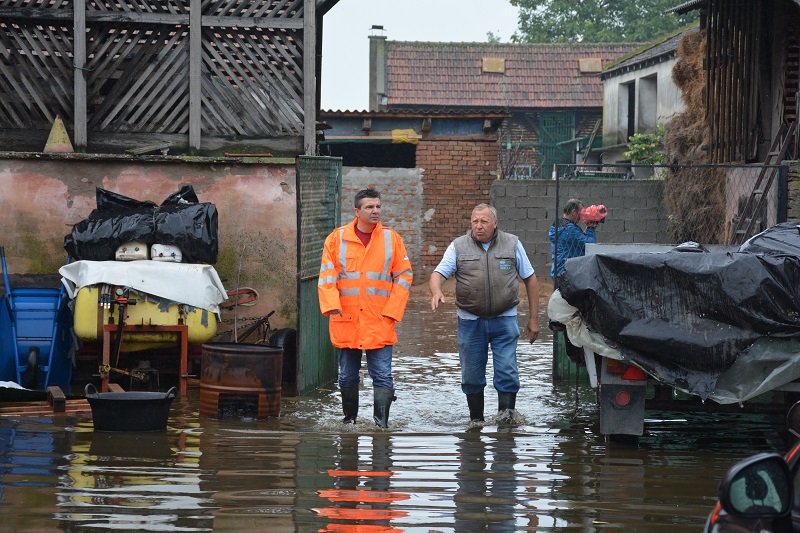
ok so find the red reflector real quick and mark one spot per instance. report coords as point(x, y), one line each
point(634, 373)
point(623, 398)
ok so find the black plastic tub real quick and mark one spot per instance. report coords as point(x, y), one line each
point(129, 411)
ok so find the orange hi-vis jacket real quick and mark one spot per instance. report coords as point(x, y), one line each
point(369, 284)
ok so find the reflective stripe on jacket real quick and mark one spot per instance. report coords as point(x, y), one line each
point(369, 284)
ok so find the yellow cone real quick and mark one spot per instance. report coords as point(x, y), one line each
point(58, 142)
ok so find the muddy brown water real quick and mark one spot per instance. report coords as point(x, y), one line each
point(306, 472)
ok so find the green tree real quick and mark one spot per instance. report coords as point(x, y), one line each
point(596, 21)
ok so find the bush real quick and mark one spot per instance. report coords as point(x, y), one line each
point(645, 148)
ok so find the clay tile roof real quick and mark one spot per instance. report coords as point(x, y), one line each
point(536, 75)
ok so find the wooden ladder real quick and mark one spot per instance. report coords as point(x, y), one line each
point(757, 200)
point(591, 140)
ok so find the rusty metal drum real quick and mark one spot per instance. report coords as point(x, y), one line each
point(241, 380)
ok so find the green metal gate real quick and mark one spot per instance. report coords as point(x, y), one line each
point(554, 129)
point(319, 185)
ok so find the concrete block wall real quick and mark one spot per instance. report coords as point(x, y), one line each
point(528, 208)
point(430, 205)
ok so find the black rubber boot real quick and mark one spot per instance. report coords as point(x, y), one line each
point(383, 399)
point(349, 404)
point(506, 401)
point(475, 403)
point(32, 369)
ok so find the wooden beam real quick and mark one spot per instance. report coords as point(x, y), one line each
point(57, 399)
point(79, 76)
point(195, 82)
point(38, 16)
point(309, 77)
point(249, 22)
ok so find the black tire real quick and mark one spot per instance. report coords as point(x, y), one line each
point(32, 369)
point(286, 338)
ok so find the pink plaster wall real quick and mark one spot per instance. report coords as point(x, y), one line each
point(42, 198)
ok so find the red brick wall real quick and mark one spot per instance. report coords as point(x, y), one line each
point(458, 175)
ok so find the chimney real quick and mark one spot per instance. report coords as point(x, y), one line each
point(377, 69)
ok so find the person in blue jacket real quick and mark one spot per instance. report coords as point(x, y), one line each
point(571, 238)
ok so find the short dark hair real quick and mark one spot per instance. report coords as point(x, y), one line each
point(572, 204)
point(365, 193)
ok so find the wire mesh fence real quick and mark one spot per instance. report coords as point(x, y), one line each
point(707, 204)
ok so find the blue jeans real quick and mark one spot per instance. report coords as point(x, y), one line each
point(379, 366)
point(474, 339)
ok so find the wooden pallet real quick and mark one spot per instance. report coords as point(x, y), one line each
point(56, 403)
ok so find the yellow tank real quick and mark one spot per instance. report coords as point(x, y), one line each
point(89, 317)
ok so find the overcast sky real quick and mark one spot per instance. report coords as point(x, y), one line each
point(345, 46)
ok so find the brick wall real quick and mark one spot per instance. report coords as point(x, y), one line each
point(457, 175)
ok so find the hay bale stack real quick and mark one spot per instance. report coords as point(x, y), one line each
point(694, 197)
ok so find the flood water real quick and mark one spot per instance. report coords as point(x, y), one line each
point(428, 472)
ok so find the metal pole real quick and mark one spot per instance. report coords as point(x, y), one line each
point(555, 225)
point(555, 372)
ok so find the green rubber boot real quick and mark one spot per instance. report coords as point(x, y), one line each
point(506, 401)
point(383, 399)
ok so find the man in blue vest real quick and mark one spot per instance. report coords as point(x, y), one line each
point(488, 264)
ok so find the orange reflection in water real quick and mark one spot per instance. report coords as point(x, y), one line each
point(380, 499)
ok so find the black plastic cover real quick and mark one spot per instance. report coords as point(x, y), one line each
point(180, 221)
point(687, 317)
point(783, 238)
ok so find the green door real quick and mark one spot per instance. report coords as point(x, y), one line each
point(319, 185)
point(554, 129)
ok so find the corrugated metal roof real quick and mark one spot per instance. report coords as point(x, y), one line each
point(535, 75)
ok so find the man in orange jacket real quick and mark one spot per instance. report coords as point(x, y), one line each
point(364, 283)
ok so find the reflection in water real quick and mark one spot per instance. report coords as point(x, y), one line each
point(486, 494)
point(306, 472)
point(112, 477)
point(362, 497)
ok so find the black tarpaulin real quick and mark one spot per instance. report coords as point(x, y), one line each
point(687, 317)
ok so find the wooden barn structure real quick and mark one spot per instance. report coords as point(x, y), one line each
point(753, 68)
point(195, 76)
